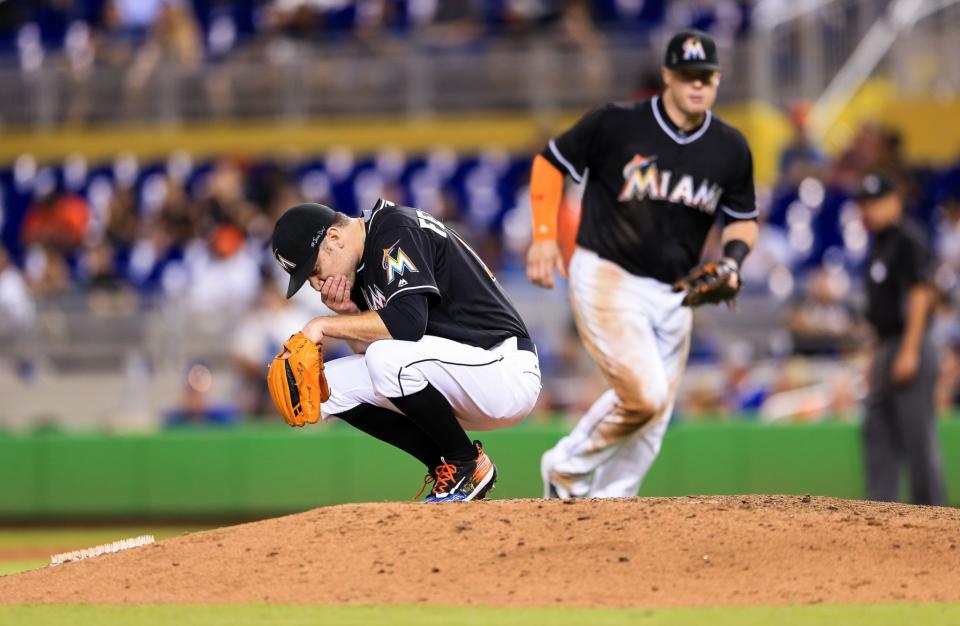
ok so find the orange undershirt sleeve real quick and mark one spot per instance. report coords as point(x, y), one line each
point(546, 192)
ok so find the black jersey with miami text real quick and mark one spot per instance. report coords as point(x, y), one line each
point(653, 192)
point(408, 251)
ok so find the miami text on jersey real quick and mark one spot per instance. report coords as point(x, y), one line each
point(396, 264)
point(643, 179)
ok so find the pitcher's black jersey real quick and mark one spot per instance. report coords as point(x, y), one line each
point(653, 191)
point(408, 251)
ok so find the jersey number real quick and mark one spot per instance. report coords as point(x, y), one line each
point(430, 222)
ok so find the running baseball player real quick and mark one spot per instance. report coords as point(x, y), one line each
point(440, 346)
point(658, 173)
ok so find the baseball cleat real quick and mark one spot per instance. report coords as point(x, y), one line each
point(552, 490)
point(461, 482)
point(429, 479)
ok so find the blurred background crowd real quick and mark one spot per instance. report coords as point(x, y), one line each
point(138, 284)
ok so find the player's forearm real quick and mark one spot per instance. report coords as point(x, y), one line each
point(360, 327)
point(745, 231)
point(546, 192)
point(738, 239)
point(918, 306)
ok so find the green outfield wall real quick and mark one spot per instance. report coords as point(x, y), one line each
point(252, 471)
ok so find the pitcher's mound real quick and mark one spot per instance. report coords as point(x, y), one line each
point(634, 552)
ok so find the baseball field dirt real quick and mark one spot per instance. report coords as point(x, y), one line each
point(648, 552)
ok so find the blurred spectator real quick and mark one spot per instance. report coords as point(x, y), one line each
point(47, 271)
point(81, 53)
point(799, 158)
point(874, 148)
point(224, 199)
point(100, 269)
point(948, 232)
point(221, 272)
point(863, 152)
point(743, 392)
point(18, 311)
point(150, 258)
point(178, 215)
point(122, 219)
point(106, 289)
point(56, 220)
point(450, 24)
point(174, 37)
point(948, 385)
point(804, 390)
point(722, 19)
point(525, 18)
point(299, 18)
point(197, 405)
point(820, 321)
point(137, 16)
point(595, 73)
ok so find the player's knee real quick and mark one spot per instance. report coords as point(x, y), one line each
point(385, 360)
point(646, 402)
point(381, 360)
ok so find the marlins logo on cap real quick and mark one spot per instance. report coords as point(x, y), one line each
point(693, 49)
point(286, 264)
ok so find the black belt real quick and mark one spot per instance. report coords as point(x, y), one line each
point(526, 343)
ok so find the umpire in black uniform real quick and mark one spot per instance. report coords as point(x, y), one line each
point(900, 423)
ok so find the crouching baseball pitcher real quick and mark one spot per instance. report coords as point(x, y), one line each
point(440, 347)
point(658, 173)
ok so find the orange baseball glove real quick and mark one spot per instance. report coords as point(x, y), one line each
point(296, 380)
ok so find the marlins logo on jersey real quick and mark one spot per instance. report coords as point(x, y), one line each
point(643, 179)
point(396, 263)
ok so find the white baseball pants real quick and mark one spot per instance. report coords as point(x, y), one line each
point(488, 389)
point(639, 334)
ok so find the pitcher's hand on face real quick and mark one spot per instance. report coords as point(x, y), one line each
point(335, 294)
point(542, 258)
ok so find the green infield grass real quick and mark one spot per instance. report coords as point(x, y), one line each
point(829, 615)
point(17, 566)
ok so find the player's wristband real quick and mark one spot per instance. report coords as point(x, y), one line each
point(737, 250)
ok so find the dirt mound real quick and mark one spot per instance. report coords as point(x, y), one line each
point(636, 552)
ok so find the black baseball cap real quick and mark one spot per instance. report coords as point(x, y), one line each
point(692, 50)
point(874, 185)
point(296, 240)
